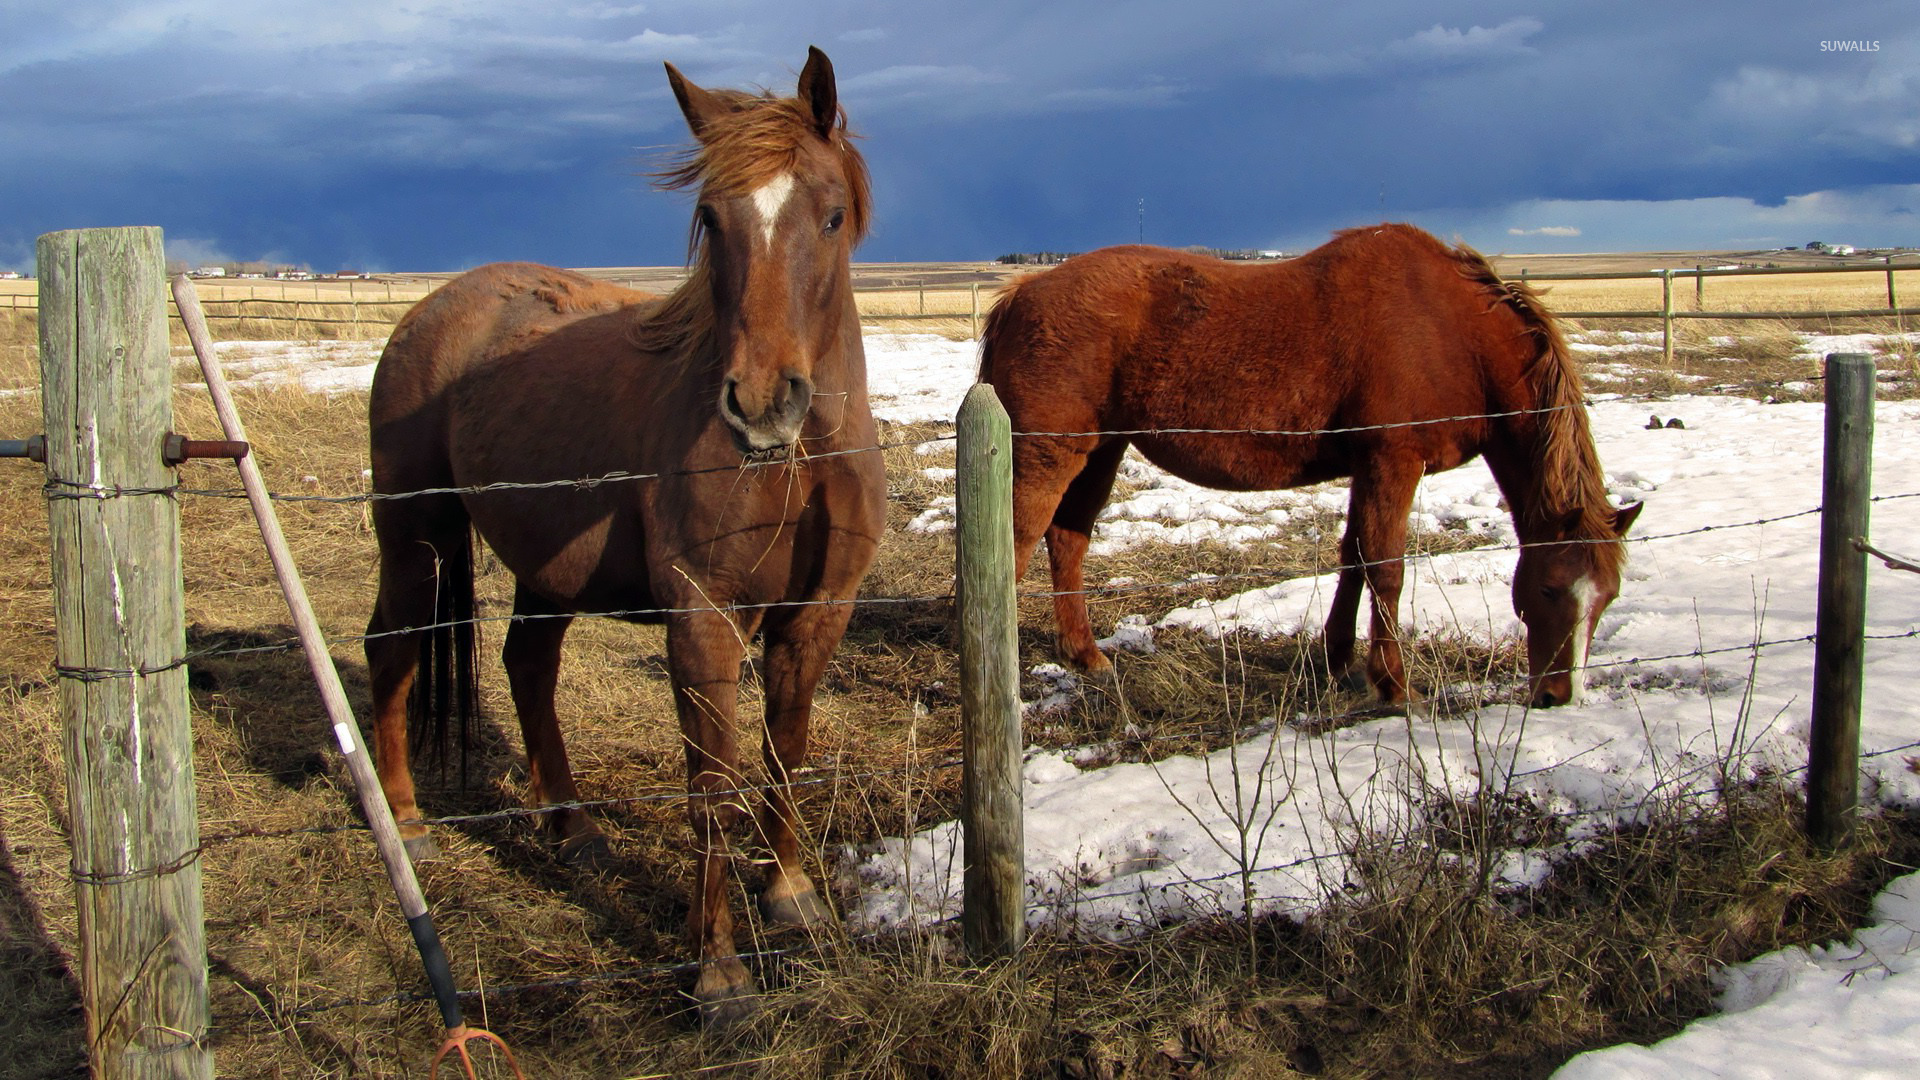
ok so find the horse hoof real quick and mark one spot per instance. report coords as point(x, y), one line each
point(1105, 676)
point(726, 995)
point(587, 852)
point(1085, 660)
point(723, 1013)
point(799, 909)
point(420, 848)
point(1353, 680)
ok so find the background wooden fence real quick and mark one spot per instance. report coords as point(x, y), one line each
point(372, 303)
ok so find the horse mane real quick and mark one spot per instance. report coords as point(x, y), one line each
point(1569, 476)
point(757, 139)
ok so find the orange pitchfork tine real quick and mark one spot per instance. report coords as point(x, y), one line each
point(373, 802)
point(457, 1039)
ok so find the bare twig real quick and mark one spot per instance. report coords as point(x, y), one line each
point(1894, 562)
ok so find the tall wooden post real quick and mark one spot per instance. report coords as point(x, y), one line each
point(120, 641)
point(1893, 300)
point(1833, 765)
point(993, 917)
point(1666, 318)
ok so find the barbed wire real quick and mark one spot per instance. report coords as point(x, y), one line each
point(64, 488)
point(1063, 903)
point(803, 778)
point(941, 598)
point(1489, 694)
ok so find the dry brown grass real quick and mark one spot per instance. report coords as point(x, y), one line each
point(1421, 971)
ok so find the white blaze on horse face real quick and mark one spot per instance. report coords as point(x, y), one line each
point(768, 199)
point(1584, 593)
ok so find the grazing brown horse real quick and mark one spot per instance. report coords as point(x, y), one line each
point(1391, 354)
point(731, 398)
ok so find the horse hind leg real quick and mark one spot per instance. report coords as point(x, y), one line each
point(393, 659)
point(425, 570)
point(531, 655)
point(1068, 536)
point(1343, 611)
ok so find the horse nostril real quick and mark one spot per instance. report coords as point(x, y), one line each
point(797, 393)
point(730, 399)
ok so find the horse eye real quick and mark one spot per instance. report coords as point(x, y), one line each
point(709, 220)
point(1552, 592)
point(834, 221)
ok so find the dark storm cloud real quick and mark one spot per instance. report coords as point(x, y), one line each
point(413, 135)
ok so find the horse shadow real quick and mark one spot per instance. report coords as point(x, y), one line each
point(257, 685)
point(42, 1023)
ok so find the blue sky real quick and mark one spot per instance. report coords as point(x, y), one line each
point(409, 135)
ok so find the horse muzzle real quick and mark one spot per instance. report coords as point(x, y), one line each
point(1562, 687)
point(767, 416)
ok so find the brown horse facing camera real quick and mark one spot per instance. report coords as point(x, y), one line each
point(1381, 355)
point(741, 400)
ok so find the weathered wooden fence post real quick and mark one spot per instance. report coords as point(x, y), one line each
point(994, 911)
point(1666, 318)
point(1833, 765)
point(1893, 300)
point(119, 652)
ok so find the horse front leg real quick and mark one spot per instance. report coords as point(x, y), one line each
point(797, 651)
point(704, 650)
point(532, 659)
point(1377, 525)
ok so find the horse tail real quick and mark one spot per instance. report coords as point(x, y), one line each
point(445, 698)
point(999, 318)
point(1569, 473)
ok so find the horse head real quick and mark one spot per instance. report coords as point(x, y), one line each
point(1563, 583)
point(782, 203)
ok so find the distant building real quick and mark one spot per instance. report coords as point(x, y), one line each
point(211, 271)
point(9, 275)
point(1830, 249)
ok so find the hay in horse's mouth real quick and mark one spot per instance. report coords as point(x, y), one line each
point(767, 456)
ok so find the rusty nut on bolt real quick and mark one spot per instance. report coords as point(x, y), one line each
point(175, 449)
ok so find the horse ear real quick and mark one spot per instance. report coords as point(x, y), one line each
point(817, 92)
point(1568, 524)
point(1623, 518)
point(697, 105)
